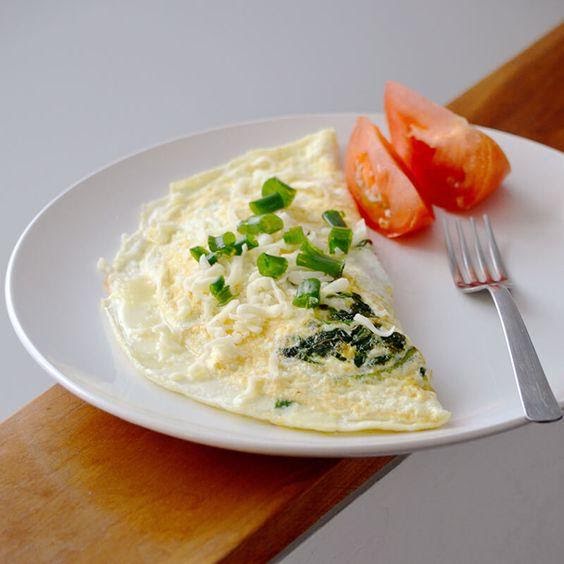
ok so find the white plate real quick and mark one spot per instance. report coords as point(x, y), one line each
point(53, 292)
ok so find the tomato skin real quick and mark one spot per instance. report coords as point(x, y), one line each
point(381, 184)
point(454, 165)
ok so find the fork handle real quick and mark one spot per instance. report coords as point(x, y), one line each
point(537, 398)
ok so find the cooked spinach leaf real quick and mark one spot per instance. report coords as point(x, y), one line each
point(402, 359)
point(319, 345)
point(378, 360)
point(395, 342)
point(363, 340)
point(363, 243)
point(280, 403)
point(360, 306)
point(357, 305)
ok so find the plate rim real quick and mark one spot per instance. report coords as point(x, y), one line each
point(415, 442)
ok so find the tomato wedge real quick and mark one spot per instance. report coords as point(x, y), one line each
point(381, 184)
point(454, 165)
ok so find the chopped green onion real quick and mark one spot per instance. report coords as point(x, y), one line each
point(269, 265)
point(267, 223)
point(321, 263)
point(222, 244)
point(251, 241)
point(333, 218)
point(197, 252)
point(295, 236)
point(270, 223)
point(313, 258)
point(267, 204)
point(221, 291)
point(308, 293)
point(275, 186)
point(340, 238)
point(309, 248)
point(250, 225)
point(217, 285)
point(211, 258)
point(248, 240)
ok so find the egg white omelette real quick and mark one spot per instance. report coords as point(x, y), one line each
point(212, 327)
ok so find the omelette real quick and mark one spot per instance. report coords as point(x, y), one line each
point(253, 287)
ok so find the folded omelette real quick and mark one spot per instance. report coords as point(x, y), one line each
point(227, 306)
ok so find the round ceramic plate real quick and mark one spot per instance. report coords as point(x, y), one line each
point(53, 292)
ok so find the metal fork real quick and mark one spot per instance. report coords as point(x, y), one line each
point(478, 270)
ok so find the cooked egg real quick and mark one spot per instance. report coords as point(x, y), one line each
point(343, 366)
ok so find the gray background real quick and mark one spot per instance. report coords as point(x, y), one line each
point(85, 83)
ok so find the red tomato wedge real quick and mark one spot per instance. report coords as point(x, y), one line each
point(454, 165)
point(381, 184)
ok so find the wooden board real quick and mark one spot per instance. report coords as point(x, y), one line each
point(77, 484)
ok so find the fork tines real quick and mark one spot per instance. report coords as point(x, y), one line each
point(473, 268)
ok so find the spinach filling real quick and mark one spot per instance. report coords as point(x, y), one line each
point(384, 365)
point(281, 403)
point(395, 342)
point(322, 344)
point(364, 341)
point(357, 305)
point(354, 345)
point(344, 346)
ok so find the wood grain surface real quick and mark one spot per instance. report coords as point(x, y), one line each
point(79, 485)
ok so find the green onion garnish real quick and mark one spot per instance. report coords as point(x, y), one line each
point(211, 258)
point(267, 223)
point(321, 263)
point(221, 291)
point(313, 258)
point(308, 294)
point(295, 236)
point(340, 238)
point(267, 204)
point(223, 244)
point(248, 240)
point(197, 252)
point(333, 218)
point(251, 241)
point(269, 265)
point(275, 186)
point(309, 248)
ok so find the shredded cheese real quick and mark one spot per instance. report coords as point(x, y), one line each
point(365, 322)
point(339, 285)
